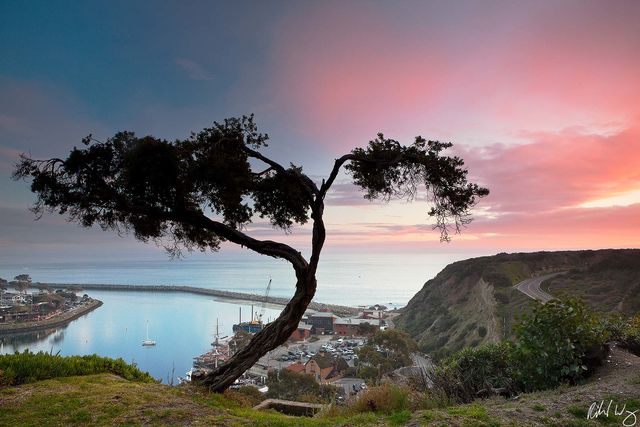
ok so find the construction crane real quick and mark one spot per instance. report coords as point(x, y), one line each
point(266, 298)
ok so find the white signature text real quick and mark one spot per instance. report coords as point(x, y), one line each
point(604, 408)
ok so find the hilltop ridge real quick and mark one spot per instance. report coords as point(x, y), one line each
point(474, 301)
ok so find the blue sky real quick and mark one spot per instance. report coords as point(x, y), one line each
point(508, 83)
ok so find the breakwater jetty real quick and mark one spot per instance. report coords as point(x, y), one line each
point(55, 321)
point(340, 310)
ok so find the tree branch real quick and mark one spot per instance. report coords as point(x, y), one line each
point(265, 247)
point(258, 155)
point(306, 181)
point(334, 173)
point(351, 157)
point(269, 169)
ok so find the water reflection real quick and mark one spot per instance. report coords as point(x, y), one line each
point(18, 341)
point(183, 326)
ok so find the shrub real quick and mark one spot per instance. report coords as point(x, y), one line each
point(253, 395)
point(630, 335)
point(26, 367)
point(466, 373)
point(442, 341)
point(616, 326)
point(386, 398)
point(289, 385)
point(370, 373)
point(502, 298)
point(558, 342)
point(482, 331)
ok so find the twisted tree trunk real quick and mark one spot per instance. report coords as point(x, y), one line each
point(273, 335)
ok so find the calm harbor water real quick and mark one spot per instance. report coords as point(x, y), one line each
point(184, 325)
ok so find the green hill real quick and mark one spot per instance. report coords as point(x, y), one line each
point(108, 400)
point(474, 301)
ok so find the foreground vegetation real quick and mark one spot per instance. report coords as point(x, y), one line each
point(555, 349)
point(27, 367)
point(560, 342)
point(106, 399)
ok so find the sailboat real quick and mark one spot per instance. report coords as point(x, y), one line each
point(147, 342)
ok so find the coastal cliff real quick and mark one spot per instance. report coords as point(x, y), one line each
point(474, 301)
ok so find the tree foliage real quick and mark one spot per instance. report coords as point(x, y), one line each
point(148, 185)
point(197, 192)
point(384, 352)
point(23, 281)
point(289, 385)
point(387, 169)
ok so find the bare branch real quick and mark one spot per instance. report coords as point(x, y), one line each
point(306, 181)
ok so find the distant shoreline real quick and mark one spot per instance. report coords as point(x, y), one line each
point(59, 320)
point(227, 295)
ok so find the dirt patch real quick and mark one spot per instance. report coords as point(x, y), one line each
point(618, 380)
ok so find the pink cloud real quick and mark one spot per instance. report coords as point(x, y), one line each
point(537, 190)
point(557, 171)
point(342, 74)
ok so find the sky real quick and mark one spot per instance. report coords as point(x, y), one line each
point(539, 98)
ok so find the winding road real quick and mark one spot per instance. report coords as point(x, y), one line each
point(531, 287)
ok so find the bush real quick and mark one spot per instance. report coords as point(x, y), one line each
point(482, 331)
point(27, 367)
point(630, 335)
point(370, 373)
point(386, 398)
point(289, 385)
point(502, 298)
point(466, 373)
point(252, 394)
point(560, 341)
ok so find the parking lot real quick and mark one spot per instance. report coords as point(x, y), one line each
point(301, 352)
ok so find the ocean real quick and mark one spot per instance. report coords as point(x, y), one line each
point(183, 324)
point(344, 278)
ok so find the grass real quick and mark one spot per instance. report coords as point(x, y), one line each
point(399, 418)
point(27, 367)
point(466, 415)
point(105, 399)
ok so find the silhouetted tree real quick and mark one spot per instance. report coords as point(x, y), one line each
point(198, 192)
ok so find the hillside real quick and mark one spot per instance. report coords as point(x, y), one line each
point(474, 301)
point(107, 399)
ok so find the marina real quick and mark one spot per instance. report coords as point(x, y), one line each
point(183, 326)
